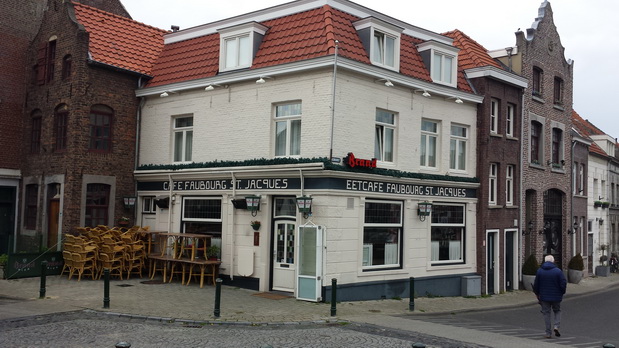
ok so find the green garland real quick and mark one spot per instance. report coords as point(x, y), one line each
point(328, 166)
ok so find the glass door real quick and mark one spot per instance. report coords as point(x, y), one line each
point(284, 252)
point(310, 263)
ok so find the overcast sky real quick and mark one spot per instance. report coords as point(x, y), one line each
point(589, 32)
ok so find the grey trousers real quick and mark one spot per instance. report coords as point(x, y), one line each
point(556, 308)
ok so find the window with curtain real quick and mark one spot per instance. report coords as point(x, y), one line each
point(385, 136)
point(183, 138)
point(101, 128)
point(382, 233)
point(447, 233)
point(288, 129)
point(429, 141)
point(61, 116)
point(457, 151)
point(97, 204)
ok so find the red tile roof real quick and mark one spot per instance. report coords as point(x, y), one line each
point(119, 41)
point(472, 54)
point(587, 129)
point(300, 36)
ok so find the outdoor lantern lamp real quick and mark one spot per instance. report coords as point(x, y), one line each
point(129, 202)
point(304, 204)
point(424, 209)
point(528, 231)
point(573, 231)
point(253, 204)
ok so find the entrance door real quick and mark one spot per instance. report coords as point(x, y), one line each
point(52, 224)
point(491, 273)
point(309, 276)
point(510, 237)
point(284, 256)
point(6, 226)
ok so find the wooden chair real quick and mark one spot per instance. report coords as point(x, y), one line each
point(68, 263)
point(115, 265)
point(83, 265)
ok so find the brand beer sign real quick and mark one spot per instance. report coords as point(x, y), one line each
point(354, 162)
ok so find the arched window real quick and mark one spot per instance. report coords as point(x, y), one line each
point(101, 128)
point(61, 117)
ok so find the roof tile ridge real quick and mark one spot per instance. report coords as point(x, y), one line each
point(327, 12)
point(79, 4)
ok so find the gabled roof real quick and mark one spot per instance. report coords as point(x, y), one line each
point(587, 129)
point(119, 41)
point(291, 38)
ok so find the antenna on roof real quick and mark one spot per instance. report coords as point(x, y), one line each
point(175, 28)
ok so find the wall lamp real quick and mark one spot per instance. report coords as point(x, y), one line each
point(546, 228)
point(424, 209)
point(166, 94)
point(304, 203)
point(261, 80)
point(211, 87)
point(129, 202)
point(253, 204)
point(388, 82)
point(425, 93)
point(529, 229)
point(456, 99)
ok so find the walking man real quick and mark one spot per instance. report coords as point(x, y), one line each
point(549, 286)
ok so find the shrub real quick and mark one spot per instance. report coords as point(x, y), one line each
point(530, 266)
point(4, 258)
point(576, 263)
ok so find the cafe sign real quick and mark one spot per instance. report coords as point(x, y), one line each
point(354, 162)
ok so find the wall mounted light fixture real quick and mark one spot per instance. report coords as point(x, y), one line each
point(129, 202)
point(424, 209)
point(425, 93)
point(262, 80)
point(574, 228)
point(304, 203)
point(253, 204)
point(166, 94)
point(529, 229)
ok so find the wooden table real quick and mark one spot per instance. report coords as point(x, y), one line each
point(179, 241)
point(204, 265)
point(149, 239)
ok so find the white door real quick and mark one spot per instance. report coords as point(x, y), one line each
point(309, 270)
point(284, 256)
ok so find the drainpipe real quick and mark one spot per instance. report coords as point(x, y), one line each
point(333, 99)
point(232, 230)
point(522, 190)
point(171, 183)
point(571, 219)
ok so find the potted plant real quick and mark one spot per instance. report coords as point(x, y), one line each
point(255, 225)
point(529, 269)
point(603, 270)
point(212, 252)
point(605, 205)
point(4, 259)
point(575, 269)
point(597, 204)
point(123, 221)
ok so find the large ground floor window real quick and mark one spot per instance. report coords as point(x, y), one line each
point(447, 240)
point(382, 233)
point(202, 215)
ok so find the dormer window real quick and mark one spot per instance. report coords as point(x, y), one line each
point(238, 45)
point(381, 40)
point(441, 60)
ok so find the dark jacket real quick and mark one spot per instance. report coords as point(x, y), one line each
point(550, 283)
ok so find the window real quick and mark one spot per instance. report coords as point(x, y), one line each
point(202, 215)
point(97, 204)
point(581, 180)
point(31, 202)
point(537, 82)
point(238, 45)
point(509, 120)
point(285, 207)
point(558, 91)
point(46, 57)
point(61, 116)
point(385, 136)
point(536, 142)
point(66, 67)
point(509, 185)
point(457, 151)
point(35, 134)
point(148, 205)
point(447, 233)
point(429, 141)
point(492, 184)
point(443, 68)
point(557, 141)
point(51, 60)
point(382, 232)
point(288, 129)
point(494, 116)
point(183, 138)
point(101, 128)
point(383, 49)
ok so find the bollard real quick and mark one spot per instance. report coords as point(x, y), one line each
point(333, 296)
point(411, 294)
point(43, 279)
point(106, 288)
point(216, 312)
point(123, 345)
point(419, 345)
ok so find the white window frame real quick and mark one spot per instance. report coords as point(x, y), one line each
point(494, 116)
point(367, 249)
point(382, 129)
point(426, 135)
point(509, 185)
point(492, 183)
point(186, 154)
point(509, 120)
point(437, 223)
point(458, 148)
point(247, 30)
point(289, 123)
point(439, 70)
point(377, 26)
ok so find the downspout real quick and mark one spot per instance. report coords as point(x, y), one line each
point(232, 230)
point(332, 101)
point(171, 203)
point(523, 224)
point(571, 220)
point(136, 157)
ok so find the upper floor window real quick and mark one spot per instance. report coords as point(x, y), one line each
point(494, 116)
point(536, 142)
point(288, 129)
point(457, 151)
point(509, 120)
point(537, 81)
point(557, 142)
point(382, 233)
point(46, 58)
point(442, 61)
point(381, 40)
point(101, 128)
point(183, 138)
point(61, 116)
point(97, 204)
point(558, 91)
point(492, 184)
point(66, 67)
point(35, 133)
point(385, 136)
point(509, 185)
point(238, 45)
point(31, 205)
point(429, 142)
point(581, 180)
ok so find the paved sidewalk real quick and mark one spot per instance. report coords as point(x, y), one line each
point(152, 300)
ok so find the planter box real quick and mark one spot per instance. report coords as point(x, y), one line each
point(574, 276)
point(602, 271)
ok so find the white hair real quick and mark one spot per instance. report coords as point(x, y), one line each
point(549, 258)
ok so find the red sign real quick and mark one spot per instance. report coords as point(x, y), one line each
point(353, 162)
